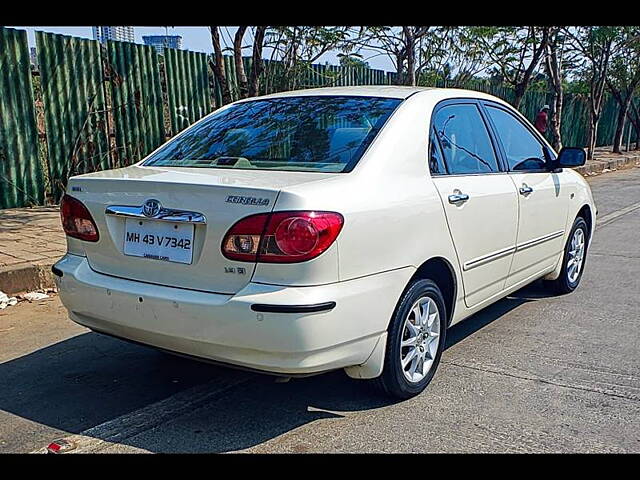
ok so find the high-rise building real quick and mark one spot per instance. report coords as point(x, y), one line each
point(160, 42)
point(124, 34)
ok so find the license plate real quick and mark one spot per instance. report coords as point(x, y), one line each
point(167, 241)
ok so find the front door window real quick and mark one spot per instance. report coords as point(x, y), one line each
point(522, 150)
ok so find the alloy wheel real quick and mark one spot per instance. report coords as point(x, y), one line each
point(576, 255)
point(420, 337)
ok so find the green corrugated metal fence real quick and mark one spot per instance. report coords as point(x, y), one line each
point(136, 100)
point(21, 175)
point(276, 79)
point(188, 91)
point(575, 116)
point(104, 105)
point(74, 107)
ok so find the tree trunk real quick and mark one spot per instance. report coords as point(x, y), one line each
point(593, 136)
point(292, 62)
point(624, 98)
point(520, 89)
point(524, 80)
point(218, 66)
point(553, 69)
point(410, 54)
point(257, 64)
point(635, 119)
point(241, 76)
point(622, 116)
point(556, 119)
point(399, 69)
point(597, 94)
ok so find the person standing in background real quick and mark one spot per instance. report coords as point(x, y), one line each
point(542, 119)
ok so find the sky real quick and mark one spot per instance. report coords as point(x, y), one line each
point(197, 39)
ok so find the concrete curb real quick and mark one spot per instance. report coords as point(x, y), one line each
point(26, 277)
point(596, 166)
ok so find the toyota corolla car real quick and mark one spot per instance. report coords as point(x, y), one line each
point(335, 228)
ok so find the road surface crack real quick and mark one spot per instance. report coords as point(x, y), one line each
point(543, 380)
point(632, 257)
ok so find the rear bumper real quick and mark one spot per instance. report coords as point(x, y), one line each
point(225, 328)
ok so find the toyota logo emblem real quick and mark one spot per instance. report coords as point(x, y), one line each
point(151, 208)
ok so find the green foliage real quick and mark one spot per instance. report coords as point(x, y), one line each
point(510, 49)
point(624, 68)
point(352, 60)
point(300, 46)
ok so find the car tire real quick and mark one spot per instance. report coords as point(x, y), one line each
point(394, 380)
point(568, 280)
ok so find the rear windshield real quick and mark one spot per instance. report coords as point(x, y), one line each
point(306, 133)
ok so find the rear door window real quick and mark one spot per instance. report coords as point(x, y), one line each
point(436, 162)
point(465, 140)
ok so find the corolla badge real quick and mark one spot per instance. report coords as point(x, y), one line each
point(151, 208)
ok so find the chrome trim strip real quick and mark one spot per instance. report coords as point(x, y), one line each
point(476, 262)
point(539, 240)
point(165, 214)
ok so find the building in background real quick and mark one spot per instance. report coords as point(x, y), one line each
point(124, 34)
point(160, 42)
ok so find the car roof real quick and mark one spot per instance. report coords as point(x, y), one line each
point(385, 91)
point(389, 91)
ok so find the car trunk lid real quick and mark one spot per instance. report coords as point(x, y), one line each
point(196, 207)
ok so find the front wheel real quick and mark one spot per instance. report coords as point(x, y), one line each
point(415, 341)
point(573, 261)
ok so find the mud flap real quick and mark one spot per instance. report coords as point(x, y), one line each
point(373, 366)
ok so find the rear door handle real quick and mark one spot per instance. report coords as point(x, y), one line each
point(525, 189)
point(457, 198)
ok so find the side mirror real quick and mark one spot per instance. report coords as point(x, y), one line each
point(571, 157)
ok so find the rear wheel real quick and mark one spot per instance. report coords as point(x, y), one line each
point(573, 261)
point(415, 341)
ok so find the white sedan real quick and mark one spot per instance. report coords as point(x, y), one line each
point(315, 230)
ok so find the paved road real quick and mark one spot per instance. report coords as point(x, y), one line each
point(531, 373)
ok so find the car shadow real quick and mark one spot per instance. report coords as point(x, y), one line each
point(484, 317)
point(90, 379)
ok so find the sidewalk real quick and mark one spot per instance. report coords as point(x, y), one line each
point(31, 239)
point(606, 160)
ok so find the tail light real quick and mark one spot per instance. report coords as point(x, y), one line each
point(282, 237)
point(77, 221)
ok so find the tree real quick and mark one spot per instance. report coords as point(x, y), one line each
point(411, 49)
point(624, 77)
point(248, 84)
point(217, 65)
point(555, 65)
point(434, 53)
point(635, 120)
point(241, 76)
point(516, 53)
point(298, 47)
point(465, 55)
point(257, 63)
point(352, 60)
point(596, 46)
